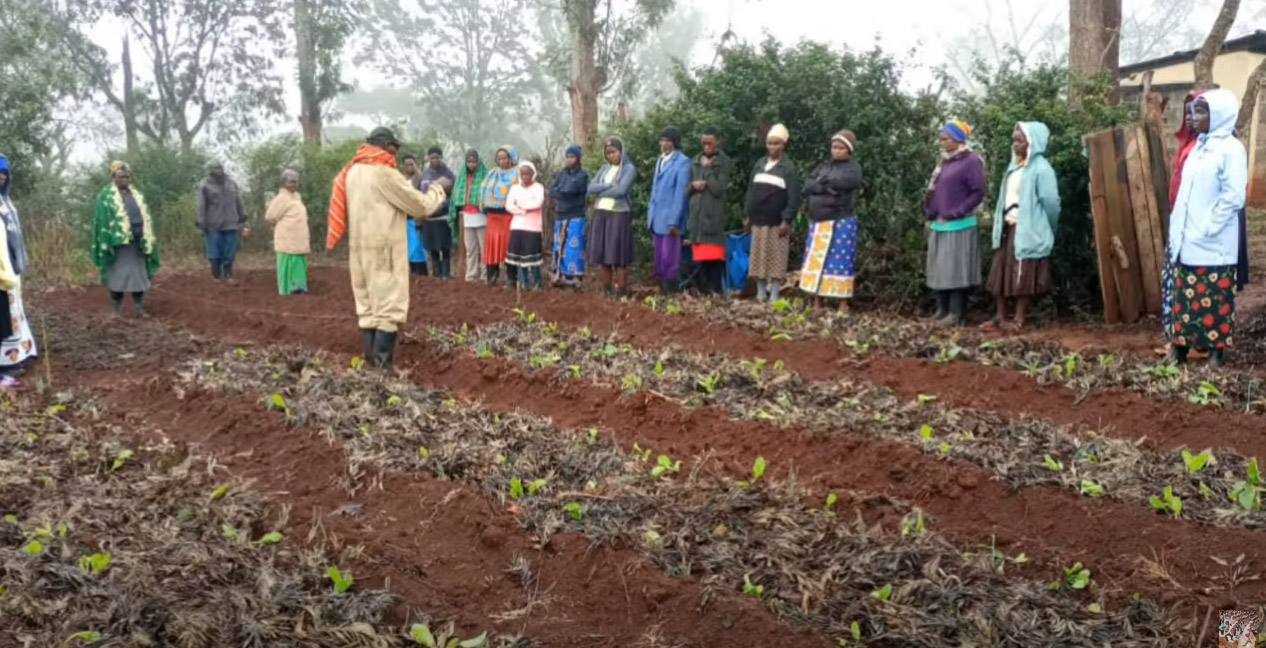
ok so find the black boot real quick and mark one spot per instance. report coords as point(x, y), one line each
point(1178, 354)
point(385, 349)
point(367, 337)
point(512, 277)
point(116, 304)
point(956, 313)
point(138, 304)
point(217, 270)
point(538, 281)
point(942, 305)
point(493, 273)
point(1217, 358)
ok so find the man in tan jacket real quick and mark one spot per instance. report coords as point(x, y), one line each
point(371, 202)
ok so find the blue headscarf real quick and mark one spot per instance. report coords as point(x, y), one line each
point(575, 150)
point(9, 214)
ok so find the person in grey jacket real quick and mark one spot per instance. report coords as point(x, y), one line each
point(222, 220)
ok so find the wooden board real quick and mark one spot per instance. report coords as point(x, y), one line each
point(1159, 161)
point(1124, 235)
point(1103, 238)
point(1148, 254)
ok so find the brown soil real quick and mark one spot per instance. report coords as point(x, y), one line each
point(967, 504)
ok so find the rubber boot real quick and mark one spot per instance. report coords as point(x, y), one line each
point(228, 275)
point(385, 349)
point(217, 271)
point(138, 304)
point(116, 305)
point(942, 305)
point(493, 273)
point(760, 290)
point(956, 313)
point(1178, 354)
point(512, 277)
point(538, 282)
point(775, 285)
point(1217, 358)
point(367, 337)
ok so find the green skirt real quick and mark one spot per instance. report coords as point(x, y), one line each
point(292, 273)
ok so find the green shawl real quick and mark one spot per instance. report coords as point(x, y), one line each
point(111, 229)
point(465, 180)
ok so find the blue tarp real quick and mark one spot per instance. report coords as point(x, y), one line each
point(738, 251)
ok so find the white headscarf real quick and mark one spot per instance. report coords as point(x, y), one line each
point(778, 132)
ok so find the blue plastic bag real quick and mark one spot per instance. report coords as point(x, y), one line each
point(738, 252)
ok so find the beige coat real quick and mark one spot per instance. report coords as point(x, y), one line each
point(378, 202)
point(289, 219)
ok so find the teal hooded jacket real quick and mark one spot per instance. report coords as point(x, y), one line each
point(1039, 198)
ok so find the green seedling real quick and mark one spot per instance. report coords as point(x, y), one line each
point(1207, 395)
point(1031, 368)
point(659, 368)
point(574, 370)
point(758, 471)
point(884, 593)
point(424, 452)
point(120, 459)
point(1051, 464)
point(944, 448)
point(278, 402)
point(1165, 371)
point(270, 538)
point(948, 354)
point(913, 523)
point(218, 493)
point(753, 368)
point(593, 436)
point(665, 465)
point(1070, 362)
point(925, 433)
point(709, 383)
point(342, 582)
point(831, 499)
point(651, 303)
point(484, 352)
point(641, 454)
point(673, 309)
point(585, 332)
point(857, 346)
point(779, 336)
point(651, 538)
point(1196, 463)
point(631, 383)
point(87, 637)
point(1107, 360)
point(95, 564)
point(1077, 576)
point(228, 532)
point(516, 488)
point(33, 548)
point(1247, 493)
point(1168, 501)
point(754, 591)
point(543, 361)
point(536, 486)
point(1091, 489)
point(551, 328)
point(779, 366)
point(393, 401)
point(574, 510)
point(855, 629)
point(524, 316)
point(926, 398)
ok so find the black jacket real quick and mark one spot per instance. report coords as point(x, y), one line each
point(832, 189)
point(773, 198)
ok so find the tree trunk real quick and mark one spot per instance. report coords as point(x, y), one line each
point(129, 103)
point(309, 101)
point(1213, 44)
point(1249, 101)
point(1094, 44)
point(583, 90)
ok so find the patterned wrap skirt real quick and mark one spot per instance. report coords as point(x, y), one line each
point(1010, 277)
point(569, 248)
point(770, 253)
point(610, 241)
point(830, 259)
point(19, 346)
point(497, 237)
point(1204, 306)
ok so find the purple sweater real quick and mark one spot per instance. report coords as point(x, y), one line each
point(959, 190)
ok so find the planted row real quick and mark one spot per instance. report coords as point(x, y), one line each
point(1043, 360)
point(759, 536)
point(102, 542)
point(1220, 487)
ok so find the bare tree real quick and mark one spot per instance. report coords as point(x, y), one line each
point(1213, 43)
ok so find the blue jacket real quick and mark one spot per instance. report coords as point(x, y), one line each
point(618, 191)
point(1039, 199)
point(568, 191)
point(670, 195)
point(1203, 228)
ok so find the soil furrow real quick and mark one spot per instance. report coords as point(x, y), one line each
point(1098, 533)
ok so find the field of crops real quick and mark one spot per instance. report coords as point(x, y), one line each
point(557, 470)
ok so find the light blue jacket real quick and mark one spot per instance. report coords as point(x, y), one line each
point(670, 195)
point(1039, 199)
point(1204, 228)
point(618, 191)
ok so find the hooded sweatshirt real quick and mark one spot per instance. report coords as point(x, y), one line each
point(12, 225)
point(1203, 228)
point(568, 191)
point(1039, 198)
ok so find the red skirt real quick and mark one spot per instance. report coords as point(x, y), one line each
point(497, 238)
point(707, 252)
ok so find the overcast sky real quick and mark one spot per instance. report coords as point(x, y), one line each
point(932, 26)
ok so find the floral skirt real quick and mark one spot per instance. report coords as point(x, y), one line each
point(830, 259)
point(569, 248)
point(1204, 306)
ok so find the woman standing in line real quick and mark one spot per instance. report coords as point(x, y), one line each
point(17, 343)
point(955, 192)
point(610, 244)
point(709, 180)
point(1024, 226)
point(527, 245)
point(496, 188)
point(830, 255)
point(123, 244)
point(464, 213)
point(291, 240)
point(1204, 235)
point(568, 191)
point(773, 199)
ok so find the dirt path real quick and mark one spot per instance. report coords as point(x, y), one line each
point(968, 506)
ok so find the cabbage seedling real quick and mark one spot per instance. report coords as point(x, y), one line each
point(575, 511)
point(754, 591)
point(1168, 501)
point(342, 582)
point(1196, 463)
